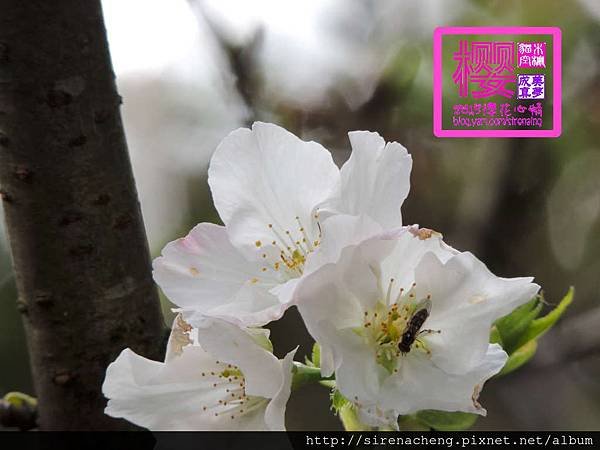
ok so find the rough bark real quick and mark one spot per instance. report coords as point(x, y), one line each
point(79, 249)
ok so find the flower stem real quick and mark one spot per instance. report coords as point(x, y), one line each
point(303, 374)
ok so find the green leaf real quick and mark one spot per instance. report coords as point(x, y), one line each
point(446, 421)
point(519, 357)
point(411, 423)
point(540, 326)
point(316, 355)
point(512, 326)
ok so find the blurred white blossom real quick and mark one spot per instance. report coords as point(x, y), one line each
point(317, 47)
point(179, 102)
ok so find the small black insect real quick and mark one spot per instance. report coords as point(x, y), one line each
point(414, 326)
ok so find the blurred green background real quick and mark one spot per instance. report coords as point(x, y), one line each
point(190, 72)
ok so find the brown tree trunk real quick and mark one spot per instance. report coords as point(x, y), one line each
point(80, 254)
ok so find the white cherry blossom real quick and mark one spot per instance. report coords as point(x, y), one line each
point(360, 309)
point(215, 377)
point(274, 193)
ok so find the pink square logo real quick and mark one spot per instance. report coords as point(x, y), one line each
point(497, 82)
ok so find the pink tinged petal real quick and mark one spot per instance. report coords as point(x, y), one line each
point(269, 176)
point(420, 384)
point(205, 275)
point(466, 299)
point(233, 345)
point(375, 180)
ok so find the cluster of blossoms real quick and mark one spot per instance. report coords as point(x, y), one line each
point(402, 319)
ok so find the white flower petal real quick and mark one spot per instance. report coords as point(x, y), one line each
point(466, 299)
point(327, 361)
point(275, 413)
point(420, 384)
point(409, 246)
point(337, 293)
point(161, 396)
point(286, 292)
point(332, 301)
point(391, 254)
point(374, 416)
point(203, 273)
point(375, 180)
point(261, 369)
point(358, 376)
point(269, 176)
point(350, 309)
point(192, 391)
point(339, 232)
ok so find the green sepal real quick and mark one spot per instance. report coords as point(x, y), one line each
point(349, 418)
point(446, 421)
point(526, 345)
point(540, 326)
point(512, 326)
point(495, 337)
point(346, 412)
point(519, 357)
point(316, 355)
point(338, 401)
